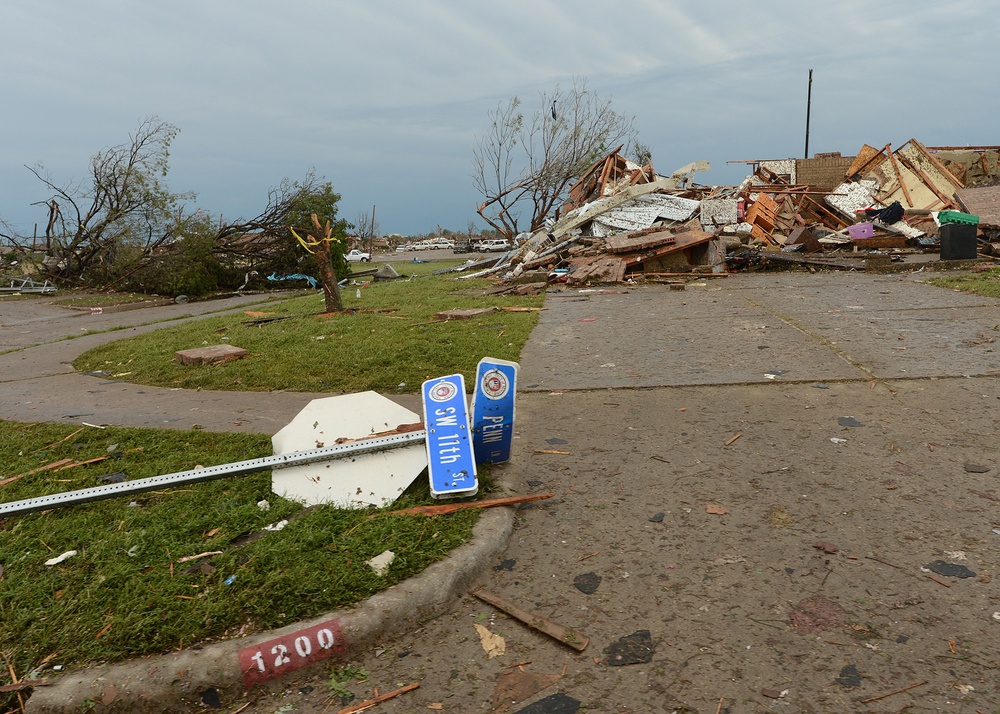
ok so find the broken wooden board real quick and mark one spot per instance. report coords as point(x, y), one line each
point(585, 214)
point(446, 508)
point(914, 177)
point(629, 243)
point(761, 216)
point(562, 633)
point(689, 239)
point(868, 157)
point(879, 242)
point(839, 263)
point(216, 354)
point(682, 241)
point(610, 269)
point(463, 314)
point(515, 686)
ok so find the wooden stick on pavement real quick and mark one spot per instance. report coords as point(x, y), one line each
point(552, 629)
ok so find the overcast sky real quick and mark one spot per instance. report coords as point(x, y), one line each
point(386, 98)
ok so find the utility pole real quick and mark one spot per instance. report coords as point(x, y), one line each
point(809, 99)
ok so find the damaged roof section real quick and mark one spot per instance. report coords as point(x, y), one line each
point(623, 221)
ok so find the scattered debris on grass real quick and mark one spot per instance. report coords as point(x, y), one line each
point(381, 562)
point(60, 558)
point(215, 354)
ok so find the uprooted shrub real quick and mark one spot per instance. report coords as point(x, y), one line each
point(187, 266)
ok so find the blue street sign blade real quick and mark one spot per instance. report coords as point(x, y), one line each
point(493, 410)
point(451, 464)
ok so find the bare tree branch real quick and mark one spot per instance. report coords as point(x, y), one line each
point(521, 166)
point(367, 228)
point(122, 203)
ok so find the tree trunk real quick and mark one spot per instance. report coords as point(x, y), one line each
point(331, 291)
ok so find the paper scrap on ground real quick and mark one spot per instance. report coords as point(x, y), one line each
point(380, 563)
point(60, 558)
point(493, 645)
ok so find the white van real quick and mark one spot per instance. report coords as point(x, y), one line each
point(493, 245)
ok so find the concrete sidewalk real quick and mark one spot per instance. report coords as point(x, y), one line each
point(745, 329)
point(38, 382)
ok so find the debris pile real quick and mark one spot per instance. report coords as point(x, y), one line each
point(623, 221)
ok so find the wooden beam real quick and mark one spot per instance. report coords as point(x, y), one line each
point(927, 181)
point(899, 176)
point(605, 173)
point(937, 163)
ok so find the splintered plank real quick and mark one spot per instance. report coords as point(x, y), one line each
point(463, 314)
point(562, 633)
point(879, 242)
point(602, 270)
point(687, 239)
point(446, 508)
point(627, 243)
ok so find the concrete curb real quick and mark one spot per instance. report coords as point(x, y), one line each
point(173, 682)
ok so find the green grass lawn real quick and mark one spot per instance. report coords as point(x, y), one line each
point(84, 301)
point(127, 591)
point(388, 341)
point(986, 283)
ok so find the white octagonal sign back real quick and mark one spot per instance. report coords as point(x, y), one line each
point(355, 481)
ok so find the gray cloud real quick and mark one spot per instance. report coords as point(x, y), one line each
point(386, 98)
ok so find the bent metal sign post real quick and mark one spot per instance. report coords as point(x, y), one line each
point(451, 465)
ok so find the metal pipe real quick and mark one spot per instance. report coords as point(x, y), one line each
point(210, 473)
point(809, 99)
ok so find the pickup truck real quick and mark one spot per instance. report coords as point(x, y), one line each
point(357, 256)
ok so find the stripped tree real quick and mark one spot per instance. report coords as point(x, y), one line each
point(318, 241)
point(528, 166)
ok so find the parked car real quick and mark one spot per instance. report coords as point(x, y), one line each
point(493, 245)
point(440, 243)
point(357, 256)
point(462, 246)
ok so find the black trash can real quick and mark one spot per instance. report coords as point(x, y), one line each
point(958, 241)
